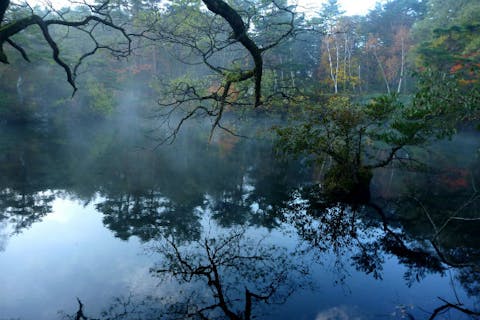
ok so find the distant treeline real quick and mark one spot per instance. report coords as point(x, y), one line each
point(330, 53)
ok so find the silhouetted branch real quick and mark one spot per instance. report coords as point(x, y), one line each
point(18, 48)
point(217, 36)
point(454, 216)
point(80, 315)
point(225, 265)
point(459, 307)
point(240, 33)
point(99, 15)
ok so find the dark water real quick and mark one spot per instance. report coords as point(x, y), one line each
point(226, 230)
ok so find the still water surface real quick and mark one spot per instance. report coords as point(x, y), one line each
point(227, 230)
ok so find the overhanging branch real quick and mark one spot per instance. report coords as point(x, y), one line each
point(98, 15)
point(240, 33)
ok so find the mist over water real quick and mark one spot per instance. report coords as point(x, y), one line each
point(239, 160)
point(98, 203)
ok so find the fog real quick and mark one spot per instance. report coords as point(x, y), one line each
point(242, 159)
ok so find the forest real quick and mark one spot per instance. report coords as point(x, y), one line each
point(253, 148)
point(400, 75)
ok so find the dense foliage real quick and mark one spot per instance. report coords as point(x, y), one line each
point(327, 70)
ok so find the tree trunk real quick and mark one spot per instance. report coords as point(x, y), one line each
point(382, 70)
point(282, 75)
point(275, 81)
point(345, 55)
point(3, 8)
point(333, 76)
point(154, 61)
point(240, 33)
point(359, 79)
point(402, 67)
point(337, 66)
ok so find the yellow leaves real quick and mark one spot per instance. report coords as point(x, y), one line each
point(338, 102)
point(465, 82)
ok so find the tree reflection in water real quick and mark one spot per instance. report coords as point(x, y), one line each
point(229, 275)
point(148, 215)
point(359, 233)
point(363, 235)
point(22, 209)
point(237, 272)
point(433, 229)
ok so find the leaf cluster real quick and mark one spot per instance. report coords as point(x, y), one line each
point(354, 134)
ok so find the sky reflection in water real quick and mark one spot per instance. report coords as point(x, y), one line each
point(105, 232)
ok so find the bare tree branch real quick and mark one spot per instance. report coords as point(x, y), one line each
point(227, 33)
point(99, 15)
point(459, 307)
point(19, 48)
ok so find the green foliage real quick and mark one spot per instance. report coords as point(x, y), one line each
point(444, 102)
point(453, 50)
point(340, 182)
point(448, 43)
point(359, 137)
point(444, 14)
point(342, 129)
point(101, 100)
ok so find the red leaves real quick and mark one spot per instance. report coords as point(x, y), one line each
point(457, 67)
point(455, 178)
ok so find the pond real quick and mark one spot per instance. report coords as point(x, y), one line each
point(97, 223)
